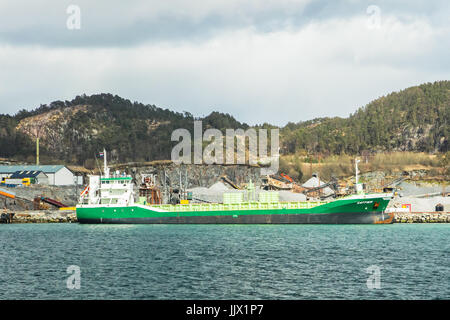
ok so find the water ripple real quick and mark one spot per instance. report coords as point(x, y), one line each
point(224, 262)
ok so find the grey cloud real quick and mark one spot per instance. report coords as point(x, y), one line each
point(116, 23)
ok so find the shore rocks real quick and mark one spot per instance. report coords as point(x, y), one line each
point(44, 216)
point(422, 217)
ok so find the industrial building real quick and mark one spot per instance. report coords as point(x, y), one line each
point(57, 175)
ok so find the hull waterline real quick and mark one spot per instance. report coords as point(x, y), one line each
point(327, 218)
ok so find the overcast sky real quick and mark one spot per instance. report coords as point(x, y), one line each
point(260, 60)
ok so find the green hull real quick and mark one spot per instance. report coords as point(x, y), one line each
point(350, 210)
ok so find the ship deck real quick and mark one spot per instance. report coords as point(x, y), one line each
point(237, 206)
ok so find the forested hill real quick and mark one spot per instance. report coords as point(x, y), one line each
point(415, 119)
point(74, 131)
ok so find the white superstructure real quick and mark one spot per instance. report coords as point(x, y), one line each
point(116, 189)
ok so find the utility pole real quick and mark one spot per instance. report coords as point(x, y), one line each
point(165, 195)
point(181, 187)
point(185, 181)
point(318, 176)
point(76, 184)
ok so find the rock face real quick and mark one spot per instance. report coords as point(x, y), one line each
point(52, 127)
point(195, 175)
point(415, 138)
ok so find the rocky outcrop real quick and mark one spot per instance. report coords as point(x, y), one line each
point(195, 175)
point(52, 127)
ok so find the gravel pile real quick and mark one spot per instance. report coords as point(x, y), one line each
point(412, 188)
point(421, 204)
point(291, 196)
point(215, 193)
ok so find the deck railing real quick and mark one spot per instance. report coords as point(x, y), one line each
point(238, 206)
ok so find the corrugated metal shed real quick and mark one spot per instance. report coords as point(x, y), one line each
point(43, 168)
point(54, 174)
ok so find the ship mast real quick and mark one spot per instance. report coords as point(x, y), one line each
point(358, 186)
point(105, 165)
point(356, 170)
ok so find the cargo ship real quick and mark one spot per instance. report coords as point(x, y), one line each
point(110, 199)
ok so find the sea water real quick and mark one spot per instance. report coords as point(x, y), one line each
point(74, 261)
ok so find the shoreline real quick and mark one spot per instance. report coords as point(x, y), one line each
point(69, 216)
point(422, 217)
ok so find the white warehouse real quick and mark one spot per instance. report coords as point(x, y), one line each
point(58, 175)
